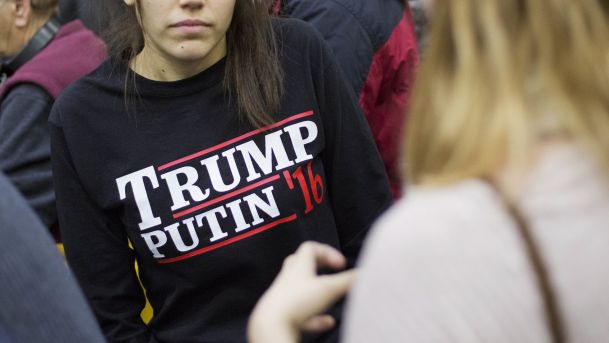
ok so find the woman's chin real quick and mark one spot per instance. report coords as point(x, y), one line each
point(197, 54)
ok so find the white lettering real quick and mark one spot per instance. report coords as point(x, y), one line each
point(212, 221)
point(273, 147)
point(215, 176)
point(177, 238)
point(299, 142)
point(255, 202)
point(177, 190)
point(139, 194)
point(237, 214)
point(153, 246)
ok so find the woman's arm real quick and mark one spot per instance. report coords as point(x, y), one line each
point(357, 182)
point(97, 251)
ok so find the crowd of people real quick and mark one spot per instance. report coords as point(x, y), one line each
point(243, 166)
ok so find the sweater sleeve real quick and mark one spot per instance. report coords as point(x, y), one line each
point(357, 182)
point(24, 147)
point(97, 250)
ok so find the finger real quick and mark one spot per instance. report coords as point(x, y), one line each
point(328, 289)
point(321, 323)
point(333, 287)
point(314, 255)
point(329, 257)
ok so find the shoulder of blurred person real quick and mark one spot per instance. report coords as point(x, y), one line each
point(435, 268)
point(473, 277)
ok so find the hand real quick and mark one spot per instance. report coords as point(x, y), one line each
point(298, 295)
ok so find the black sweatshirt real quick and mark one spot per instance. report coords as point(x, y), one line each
point(211, 205)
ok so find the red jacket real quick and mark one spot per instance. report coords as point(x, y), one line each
point(375, 43)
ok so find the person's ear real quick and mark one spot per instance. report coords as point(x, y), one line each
point(23, 13)
point(129, 2)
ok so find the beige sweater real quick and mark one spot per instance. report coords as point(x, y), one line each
point(448, 265)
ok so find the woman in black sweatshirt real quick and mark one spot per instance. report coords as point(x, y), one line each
point(214, 141)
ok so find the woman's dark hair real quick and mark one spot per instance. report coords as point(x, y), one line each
point(253, 76)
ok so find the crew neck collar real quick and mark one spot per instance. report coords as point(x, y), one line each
point(205, 79)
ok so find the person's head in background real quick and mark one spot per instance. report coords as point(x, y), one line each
point(501, 78)
point(168, 40)
point(20, 20)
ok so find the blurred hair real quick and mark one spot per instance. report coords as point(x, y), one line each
point(499, 76)
point(253, 76)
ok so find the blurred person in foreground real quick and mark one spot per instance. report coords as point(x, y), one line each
point(39, 56)
point(503, 233)
point(41, 302)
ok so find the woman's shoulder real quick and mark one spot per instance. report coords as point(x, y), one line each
point(442, 248)
point(444, 221)
point(425, 209)
point(86, 91)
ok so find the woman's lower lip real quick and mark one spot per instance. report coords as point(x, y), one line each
point(191, 29)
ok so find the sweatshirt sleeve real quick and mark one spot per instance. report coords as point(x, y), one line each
point(97, 250)
point(357, 181)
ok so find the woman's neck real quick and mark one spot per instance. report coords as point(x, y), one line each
point(155, 66)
